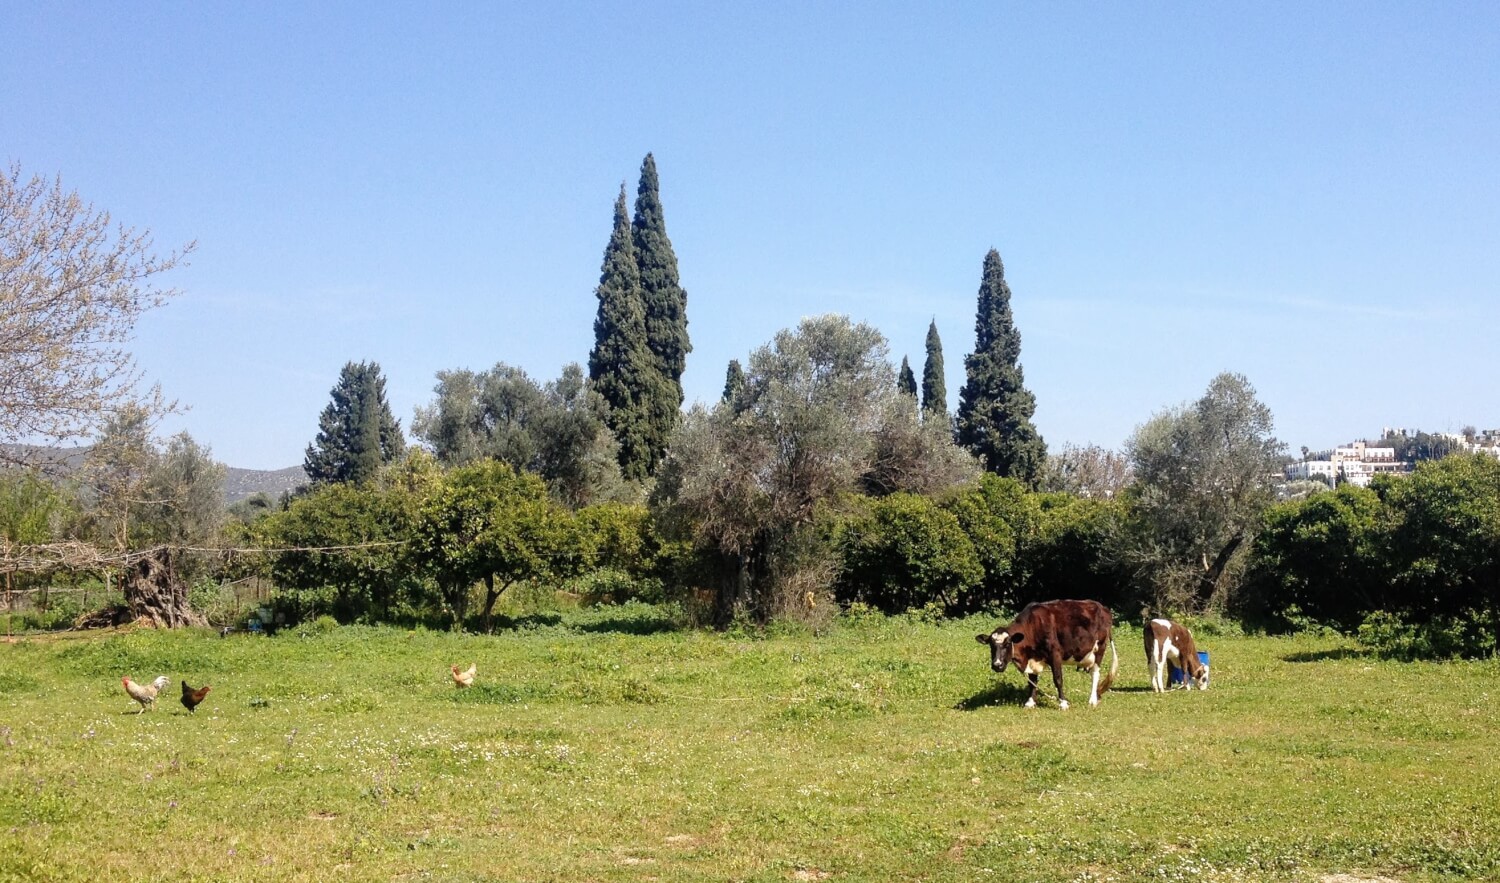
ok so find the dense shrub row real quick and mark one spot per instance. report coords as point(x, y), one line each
point(1411, 563)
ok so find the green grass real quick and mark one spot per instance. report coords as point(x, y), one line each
point(599, 746)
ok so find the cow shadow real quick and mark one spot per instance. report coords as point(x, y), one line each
point(1333, 655)
point(997, 693)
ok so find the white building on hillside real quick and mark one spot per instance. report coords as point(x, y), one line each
point(1356, 463)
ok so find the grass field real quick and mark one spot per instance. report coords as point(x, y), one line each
point(605, 745)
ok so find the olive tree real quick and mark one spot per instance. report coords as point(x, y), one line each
point(818, 413)
point(1204, 473)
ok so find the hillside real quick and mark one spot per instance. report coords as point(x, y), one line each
point(238, 483)
point(242, 483)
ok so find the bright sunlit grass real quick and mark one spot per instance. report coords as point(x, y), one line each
point(607, 746)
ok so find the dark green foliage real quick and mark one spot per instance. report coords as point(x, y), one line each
point(1414, 561)
point(627, 556)
point(906, 381)
point(934, 384)
point(1072, 553)
point(906, 552)
point(357, 434)
point(366, 579)
point(621, 366)
point(734, 382)
point(665, 313)
point(1421, 446)
point(999, 517)
point(489, 523)
point(1321, 559)
point(995, 408)
point(1446, 546)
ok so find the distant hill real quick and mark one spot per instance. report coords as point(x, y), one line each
point(242, 483)
point(238, 483)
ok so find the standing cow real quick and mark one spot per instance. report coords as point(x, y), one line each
point(1050, 633)
point(1169, 645)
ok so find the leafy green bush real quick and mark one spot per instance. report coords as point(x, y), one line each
point(906, 553)
point(1443, 637)
point(610, 586)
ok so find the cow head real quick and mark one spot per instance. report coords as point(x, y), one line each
point(1201, 678)
point(1000, 643)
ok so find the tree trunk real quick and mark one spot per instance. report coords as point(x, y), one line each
point(153, 591)
point(1215, 571)
point(491, 595)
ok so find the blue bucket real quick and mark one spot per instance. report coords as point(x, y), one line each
point(1179, 676)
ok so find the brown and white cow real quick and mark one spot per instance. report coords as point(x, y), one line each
point(1050, 633)
point(1169, 645)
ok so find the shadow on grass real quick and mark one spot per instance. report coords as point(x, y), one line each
point(998, 693)
point(1330, 655)
point(629, 625)
point(624, 622)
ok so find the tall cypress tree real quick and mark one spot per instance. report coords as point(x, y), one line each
point(905, 380)
point(666, 310)
point(934, 386)
point(357, 433)
point(995, 408)
point(734, 381)
point(621, 367)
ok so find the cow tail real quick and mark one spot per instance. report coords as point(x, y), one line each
point(1114, 668)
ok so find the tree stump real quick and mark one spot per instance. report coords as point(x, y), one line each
point(154, 592)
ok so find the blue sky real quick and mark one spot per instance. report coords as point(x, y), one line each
point(1303, 193)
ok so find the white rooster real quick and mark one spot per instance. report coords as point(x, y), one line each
point(145, 694)
point(464, 678)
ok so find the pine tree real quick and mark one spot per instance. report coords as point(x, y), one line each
point(934, 386)
point(621, 367)
point(905, 380)
point(994, 409)
point(666, 311)
point(357, 433)
point(734, 381)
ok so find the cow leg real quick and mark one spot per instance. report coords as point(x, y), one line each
point(1057, 678)
point(1158, 670)
point(1094, 688)
point(1031, 678)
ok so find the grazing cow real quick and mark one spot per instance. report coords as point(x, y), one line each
point(1050, 633)
point(1169, 646)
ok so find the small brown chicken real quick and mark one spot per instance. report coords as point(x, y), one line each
point(145, 694)
point(464, 678)
point(191, 697)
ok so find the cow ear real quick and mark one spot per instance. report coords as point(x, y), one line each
point(1015, 637)
point(982, 638)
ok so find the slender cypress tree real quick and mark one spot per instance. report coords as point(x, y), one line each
point(621, 368)
point(905, 380)
point(666, 310)
point(734, 381)
point(357, 433)
point(934, 386)
point(995, 408)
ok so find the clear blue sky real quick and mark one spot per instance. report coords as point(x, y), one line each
point(1306, 193)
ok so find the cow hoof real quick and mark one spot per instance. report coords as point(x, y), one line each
point(1093, 703)
point(1063, 704)
point(1031, 703)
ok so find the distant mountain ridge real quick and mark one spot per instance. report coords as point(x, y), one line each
point(238, 483)
point(242, 483)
